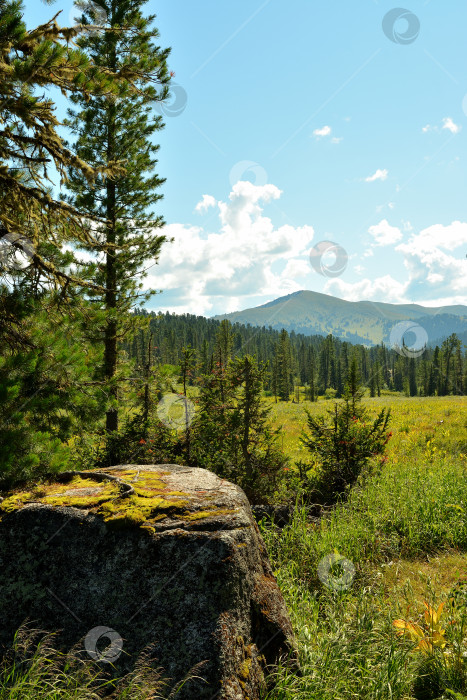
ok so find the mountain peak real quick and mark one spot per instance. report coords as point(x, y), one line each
point(367, 322)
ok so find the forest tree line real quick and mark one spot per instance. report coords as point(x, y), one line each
point(319, 365)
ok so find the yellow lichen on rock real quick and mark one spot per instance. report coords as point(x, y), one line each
point(151, 501)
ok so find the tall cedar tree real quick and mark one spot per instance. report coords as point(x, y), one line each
point(109, 129)
point(32, 220)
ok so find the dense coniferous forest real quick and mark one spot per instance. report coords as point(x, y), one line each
point(316, 363)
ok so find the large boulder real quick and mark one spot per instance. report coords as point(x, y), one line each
point(158, 555)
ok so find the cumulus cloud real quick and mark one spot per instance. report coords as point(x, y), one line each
point(380, 289)
point(435, 265)
point(450, 125)
point(324, 131)
point(447, 123)
point(378, 175)
point(385, 234)
point(207, 202)
point(246, 259)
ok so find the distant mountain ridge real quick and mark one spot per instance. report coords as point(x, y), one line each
point(367, 322)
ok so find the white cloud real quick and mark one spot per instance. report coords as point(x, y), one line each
point(435, 270)
point(327, 131)
point(236, 266)
point(438, 236)
point(207, 202)
point(435, 265)
point(246, 259)
point(378, 175)
point(324, 131)
point(447, 123)
point(450, 125)
point(380, 289)
point(384, 233)
point(407, 226)
point(297, 268)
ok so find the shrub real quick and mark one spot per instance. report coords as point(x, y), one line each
point(345, 447)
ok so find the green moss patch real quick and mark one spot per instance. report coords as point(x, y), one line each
point(151, 502)
point(200, 514)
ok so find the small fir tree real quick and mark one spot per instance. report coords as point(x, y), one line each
point(345, 447)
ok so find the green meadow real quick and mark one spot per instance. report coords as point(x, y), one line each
point(404, 536)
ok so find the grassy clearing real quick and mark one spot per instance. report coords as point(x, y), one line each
point(405, 534)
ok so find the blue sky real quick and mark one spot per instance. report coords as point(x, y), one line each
point(301, 123)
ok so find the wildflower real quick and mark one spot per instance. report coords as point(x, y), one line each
point(142, 442)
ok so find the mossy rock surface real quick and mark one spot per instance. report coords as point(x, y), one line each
point(169, 557)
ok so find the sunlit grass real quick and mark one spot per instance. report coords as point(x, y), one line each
point(414, 421)
point(405, 533)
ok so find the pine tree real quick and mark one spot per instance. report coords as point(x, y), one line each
point(108, 129)
point(345, 447)
point(231, 434)
point(283, 369)
point(33, 223)
point(412, 377)
point(313, 396)
point(224, 344)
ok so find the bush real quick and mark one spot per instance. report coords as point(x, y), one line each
point(345, 447)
